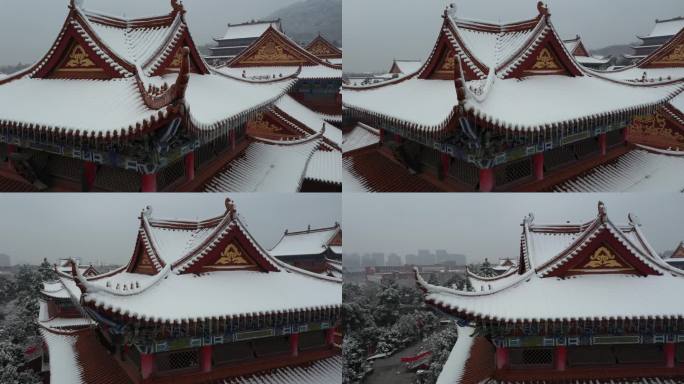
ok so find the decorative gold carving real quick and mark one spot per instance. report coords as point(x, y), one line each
point(320, 49)
point(271, 51)
point(603, 258)
point(545, 61)
point(654, 125)
point(675, 57)
point(449, 62)
point(261, 124)
point(177, 59)
point(231, 256)
point(78, 58)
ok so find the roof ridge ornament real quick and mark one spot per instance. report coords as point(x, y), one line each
point(602, 211)
point(634, 220)
point(543, 9)
point(76, 4)
point(147, 212)
point(230, 208)
point(451, 10)
point(177, 6)
point(529, 219)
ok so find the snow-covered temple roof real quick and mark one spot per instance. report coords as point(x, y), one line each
point(406, 67)
point(215, 259)
point(269, 166)
point(663, 65)
point(308, 242)
point(274, 55)
point(667, 27)
point(324, 49)
point(361, 136)
point(109, 77)
point(326, 371)
point(250, 30)
point(524, 61)
point(566, 263)
point(640, 170)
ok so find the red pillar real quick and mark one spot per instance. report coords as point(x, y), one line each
point(10, 150)
point(294, 344)
point(149, 182)
point(446, 161)
point(382, 135)
point(538, 164)
point(486, 180)
point(190, 166)
point(205, 358)
point(501, 357)
point(625, 134)
point(669, 354)
point(330, 336)
point(146, 365)
point(398, 138)
point(602, 143)
point(89, 173)
point(561, 357)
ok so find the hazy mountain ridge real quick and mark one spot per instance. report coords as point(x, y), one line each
point(303, 21)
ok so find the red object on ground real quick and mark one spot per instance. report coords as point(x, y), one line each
point(417, 357)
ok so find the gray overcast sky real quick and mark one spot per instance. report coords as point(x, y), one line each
point(29, 27)
point(376, 31)
point(480, 226)
point(103, 227)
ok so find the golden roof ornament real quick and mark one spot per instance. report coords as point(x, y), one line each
point(543, 9)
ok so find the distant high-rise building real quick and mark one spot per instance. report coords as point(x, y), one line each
point(393, 260)
point(412, 260)
point(425, 257)
point(378, 259)
point(352, 262)
point(367, 260)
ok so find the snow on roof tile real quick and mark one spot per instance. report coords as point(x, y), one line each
point(668, 27)
point(64, 368)
point(309, 118)
point(428, 103)
point(636, 171)
point(454, 367)
point(313, 242)
point(408, 66)
point(266, 167)
point(361, 136)
point(260, 73)
point(548, 297)
point(249, 30)
point(95, 106)
point(327, 371)
point(638, 75)
point(325, 166)
point(222, 295)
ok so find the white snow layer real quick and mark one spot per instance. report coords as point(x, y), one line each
point(63, 366)
point(303, 243)
point(635, 171)
point(327, 371)
point(266, 168)
point(454, 367)
point(222, 294)
point(325, 166)
point(359, 137)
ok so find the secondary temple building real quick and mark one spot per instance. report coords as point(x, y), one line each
point(130, 105)
point(567, 313)
point(455, 122)
point(317, 250)
point(199, 301)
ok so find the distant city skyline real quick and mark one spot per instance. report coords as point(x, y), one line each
point(488, 225)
